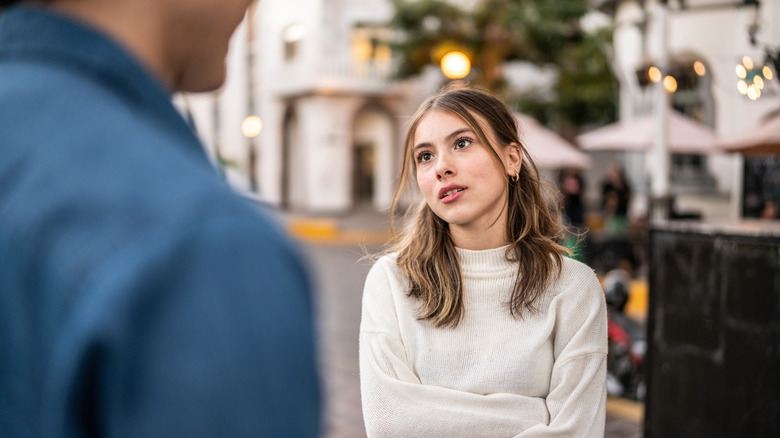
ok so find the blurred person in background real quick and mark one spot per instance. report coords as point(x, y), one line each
point(572, 186)
point(616, 247)
point(475, 323)
point(615, 199)
point(139, 296)
point(769, 210)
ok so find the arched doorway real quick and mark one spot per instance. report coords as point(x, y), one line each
point(372, 169)
point(293, 189)
point(363, 165)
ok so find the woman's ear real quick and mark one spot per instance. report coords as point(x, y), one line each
point(514, 159)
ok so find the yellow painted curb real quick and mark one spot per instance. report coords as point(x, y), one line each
point(326, 232)
point(313, 228)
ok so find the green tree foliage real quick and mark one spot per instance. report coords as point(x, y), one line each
point(492, 32)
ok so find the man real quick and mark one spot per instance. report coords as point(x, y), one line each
point(138, 295)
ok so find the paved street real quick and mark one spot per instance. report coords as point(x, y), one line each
point(340, 279)
point(340, 272)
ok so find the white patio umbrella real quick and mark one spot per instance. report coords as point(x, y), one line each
point(548, 149)
point(765, 139)
point(686, 136)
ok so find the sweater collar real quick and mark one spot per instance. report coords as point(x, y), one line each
point(490, 262)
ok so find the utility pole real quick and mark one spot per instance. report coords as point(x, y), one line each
point(251, 106)
point(659, 158)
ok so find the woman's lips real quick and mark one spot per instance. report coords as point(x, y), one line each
point(452, 194)
point(446, 190)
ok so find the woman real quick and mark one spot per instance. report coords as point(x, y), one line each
point(475, 324)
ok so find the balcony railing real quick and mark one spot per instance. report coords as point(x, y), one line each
point(333, 76)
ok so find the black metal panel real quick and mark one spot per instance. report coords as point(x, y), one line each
point(714, 325)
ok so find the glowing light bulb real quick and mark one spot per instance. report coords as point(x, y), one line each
point(670, 84)
point(455, 65)
point(251, 126)
point(767, 73)
point(741, 72)
point(758, 82)
point(699, 68)
point(742, 87)
point(654, 73)
point(753, 92)
point(747, 62)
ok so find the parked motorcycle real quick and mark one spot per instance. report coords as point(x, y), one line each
point(627, 341)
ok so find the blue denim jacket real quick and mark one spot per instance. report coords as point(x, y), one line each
point(139, 296)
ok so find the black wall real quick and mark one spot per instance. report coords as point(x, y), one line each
point(714, 333)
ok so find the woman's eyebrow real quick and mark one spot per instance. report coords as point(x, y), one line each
point(449, 137)
point(459, 132)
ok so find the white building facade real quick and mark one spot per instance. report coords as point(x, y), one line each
point(712, 37)
point(317, 73)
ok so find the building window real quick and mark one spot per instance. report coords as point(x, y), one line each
point(693, 97)
point(291, 37)
point(370, 45)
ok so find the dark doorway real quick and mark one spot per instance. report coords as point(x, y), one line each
point(363, 164)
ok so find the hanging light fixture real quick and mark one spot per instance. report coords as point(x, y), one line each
point(753, 77)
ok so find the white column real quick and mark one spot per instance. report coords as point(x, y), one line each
point(233, 109)
point(659, 155)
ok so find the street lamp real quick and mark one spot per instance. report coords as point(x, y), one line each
point(251, 126)
point(455, 65)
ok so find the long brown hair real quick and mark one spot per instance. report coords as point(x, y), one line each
point(426, 254)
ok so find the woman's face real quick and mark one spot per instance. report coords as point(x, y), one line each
point(460, 179)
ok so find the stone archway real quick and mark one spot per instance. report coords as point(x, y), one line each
point(293, 189)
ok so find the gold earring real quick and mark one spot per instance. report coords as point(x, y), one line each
point(516, 178)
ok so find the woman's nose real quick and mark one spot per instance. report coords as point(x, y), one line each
point(444, 167)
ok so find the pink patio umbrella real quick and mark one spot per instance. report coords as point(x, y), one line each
point(765, 139)
point(686, 136)
point(548, 149)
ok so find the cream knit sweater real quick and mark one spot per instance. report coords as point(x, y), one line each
point(542, 375)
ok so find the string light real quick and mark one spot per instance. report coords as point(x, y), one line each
point(752, 78)
point(654, 73)
point(767, 73)
point(742, 86)
point(741, 71)
point(753, 92)
point(699, 68)
point(670, 84)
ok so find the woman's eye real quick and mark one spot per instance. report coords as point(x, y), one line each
point(462, 143)
point(424, 156)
